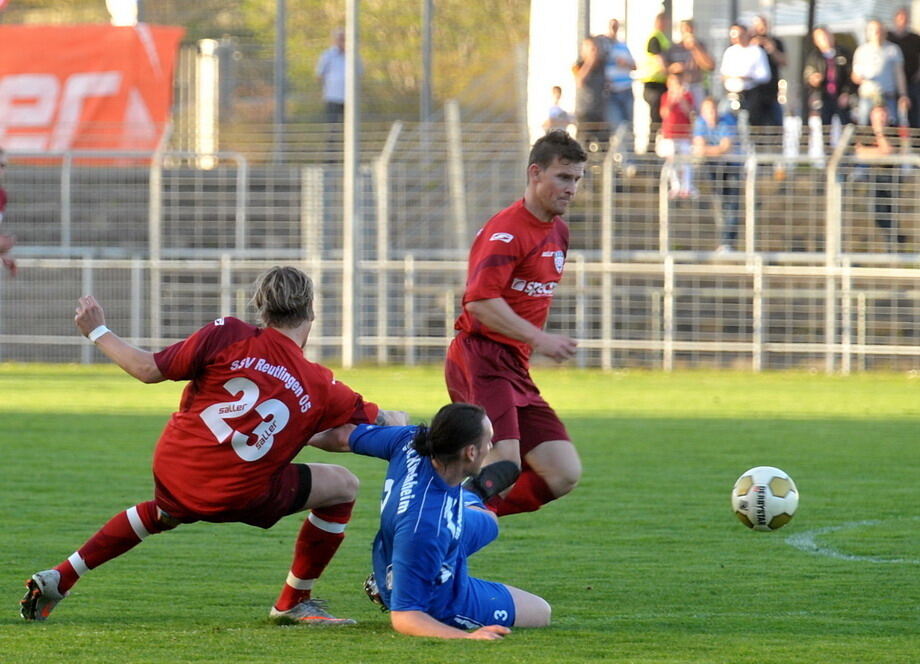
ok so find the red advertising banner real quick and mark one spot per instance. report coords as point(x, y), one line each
point(85, 87)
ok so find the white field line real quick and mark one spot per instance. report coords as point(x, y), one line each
point(807, 541)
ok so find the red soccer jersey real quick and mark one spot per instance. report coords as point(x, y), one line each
point(676, 123)
point(520, 259)
point(252, 404)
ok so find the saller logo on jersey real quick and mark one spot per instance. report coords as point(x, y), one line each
point(501, 237)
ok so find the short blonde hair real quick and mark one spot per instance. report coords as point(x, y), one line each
point(283, 297)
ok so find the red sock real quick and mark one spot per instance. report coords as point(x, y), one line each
point(319, 538)
point(527, 495)
point(123, 532)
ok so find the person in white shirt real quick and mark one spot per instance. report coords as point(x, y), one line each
point(745, 69)
point(330, 71)
point(878, 70)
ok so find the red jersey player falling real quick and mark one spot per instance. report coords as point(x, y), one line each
point(515, 264)
point(252, 403)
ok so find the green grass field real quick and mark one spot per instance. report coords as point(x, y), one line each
point(644, 562)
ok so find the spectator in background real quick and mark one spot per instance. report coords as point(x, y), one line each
point(557, 117)
point(676, 118)
point(878, 70)
point(776, 58)
point(876, 141)
point(715, 137)
point(330, 70)
point(909, 42)
point(745, 70)
point(827, 72)
point(618, 67)
point(6, 241)
point(655, 67)
point(690, 58)
point(589, 93)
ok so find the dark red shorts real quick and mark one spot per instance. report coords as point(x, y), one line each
point(287, 493)
point(488, 374)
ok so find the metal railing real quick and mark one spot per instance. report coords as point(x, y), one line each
point(169, 244)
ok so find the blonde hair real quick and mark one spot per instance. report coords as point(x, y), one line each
point(283, 297)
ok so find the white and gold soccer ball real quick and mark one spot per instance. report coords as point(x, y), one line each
point(764, 498)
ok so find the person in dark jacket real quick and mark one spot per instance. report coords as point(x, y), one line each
point(827, 78)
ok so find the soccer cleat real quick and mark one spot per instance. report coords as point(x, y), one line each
point(373, 592)
point(493, 479)
point(42, 595)
point(308, 612)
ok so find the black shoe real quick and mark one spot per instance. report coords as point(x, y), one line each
point(493, 479)
point(373, 593)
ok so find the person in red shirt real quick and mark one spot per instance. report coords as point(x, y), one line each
point(515, 265)
point(252, 403)
point(677, 109)
point(6, 241)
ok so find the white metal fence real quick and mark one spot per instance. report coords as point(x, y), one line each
point(824, 274)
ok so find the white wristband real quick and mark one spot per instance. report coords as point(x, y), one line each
point(98, 332)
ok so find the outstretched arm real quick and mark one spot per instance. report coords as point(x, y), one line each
point(333, 440)
point(418, 623)
point(134, 361)
point(336, 439)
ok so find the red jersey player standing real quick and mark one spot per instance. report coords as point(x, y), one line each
point(226, 455)
point(515, 264)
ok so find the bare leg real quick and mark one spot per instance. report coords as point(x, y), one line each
point(529, 610)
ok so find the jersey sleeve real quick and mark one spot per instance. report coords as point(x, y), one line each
point(492, 261)
point(479, 525)
point(186, 359)
point(344, 406)
point(416, 566)
point(380, 442)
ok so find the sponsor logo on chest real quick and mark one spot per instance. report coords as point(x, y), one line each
point(534, 288)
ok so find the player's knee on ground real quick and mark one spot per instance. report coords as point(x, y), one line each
point(530, 610)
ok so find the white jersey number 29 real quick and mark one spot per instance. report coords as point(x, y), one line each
point(275, 416)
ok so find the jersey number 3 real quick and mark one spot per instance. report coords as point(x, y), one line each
point(275, 416)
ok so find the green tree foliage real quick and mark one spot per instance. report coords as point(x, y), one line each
point(469, 41)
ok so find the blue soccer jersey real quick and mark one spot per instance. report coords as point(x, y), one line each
point(425, 535)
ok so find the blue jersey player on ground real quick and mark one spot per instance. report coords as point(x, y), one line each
point(430, 525)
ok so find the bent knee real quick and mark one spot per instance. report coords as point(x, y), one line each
point(349, 484)
point(564, 478)
point(539, 613)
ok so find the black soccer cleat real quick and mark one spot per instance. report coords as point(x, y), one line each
point(373, 592)
point(493, 479)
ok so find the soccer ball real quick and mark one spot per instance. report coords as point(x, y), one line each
point(764, 498)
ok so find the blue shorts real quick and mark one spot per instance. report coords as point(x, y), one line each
point(481, 603)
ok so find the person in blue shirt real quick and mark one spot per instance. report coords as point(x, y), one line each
point(430, 525)
point(715, 140)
